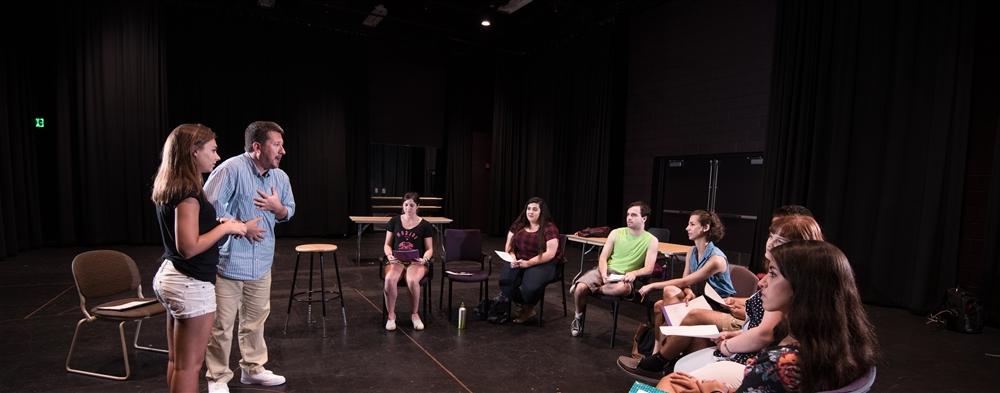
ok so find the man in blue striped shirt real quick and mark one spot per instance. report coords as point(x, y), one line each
point(244, 187)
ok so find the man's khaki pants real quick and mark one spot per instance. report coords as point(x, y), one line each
point(251, 299)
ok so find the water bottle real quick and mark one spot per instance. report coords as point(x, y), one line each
point(461, 316)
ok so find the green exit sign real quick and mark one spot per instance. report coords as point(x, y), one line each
point(39, 122)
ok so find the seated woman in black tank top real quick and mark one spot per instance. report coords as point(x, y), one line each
point(408, 248)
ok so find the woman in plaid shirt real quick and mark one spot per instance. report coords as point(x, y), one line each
point(533, 240)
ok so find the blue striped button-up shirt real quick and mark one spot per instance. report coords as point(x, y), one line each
point(231, 188)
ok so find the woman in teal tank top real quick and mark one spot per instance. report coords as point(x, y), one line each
point(706, 263)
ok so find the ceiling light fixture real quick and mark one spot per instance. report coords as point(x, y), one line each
point(375, 16)
point(513, 5)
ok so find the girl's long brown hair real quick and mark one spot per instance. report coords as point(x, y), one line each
point(837, 341)
point(178, 176)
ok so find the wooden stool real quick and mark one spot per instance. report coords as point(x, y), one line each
point(307, 295)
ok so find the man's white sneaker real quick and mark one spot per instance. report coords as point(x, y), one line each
point(576, 327)
point(218, 387)
point(266, 378)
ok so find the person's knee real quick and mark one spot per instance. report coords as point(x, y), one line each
point(616, 289)
point(390, 280)
point(696, 317)
point(671, 291)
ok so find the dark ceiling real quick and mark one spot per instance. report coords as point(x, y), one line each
point(537, 24)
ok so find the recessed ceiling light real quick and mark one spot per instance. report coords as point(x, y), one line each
point(485, 23)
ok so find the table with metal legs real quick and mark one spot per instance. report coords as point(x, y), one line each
point(588, 244)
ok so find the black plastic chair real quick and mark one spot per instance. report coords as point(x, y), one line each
point(464, 262)
point(560, 278)
point(663, 236)
point(615, 303)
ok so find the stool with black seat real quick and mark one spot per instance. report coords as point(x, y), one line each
point(308, 296)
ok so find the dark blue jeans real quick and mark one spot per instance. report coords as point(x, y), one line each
point(524, 285)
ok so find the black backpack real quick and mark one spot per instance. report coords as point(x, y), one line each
point(642, 341)
point(962, 312)
point(966, 313)
point(499, 312)
point(495, 310)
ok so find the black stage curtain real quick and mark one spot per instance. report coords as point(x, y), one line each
point(99, 74)
point(20, 205)
point(992, 239)
point(469, 91)
point(868, 127)
point(110, 105)
point(228, 70)
point(555, 124)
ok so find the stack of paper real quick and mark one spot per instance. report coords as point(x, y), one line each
point(126, 306)
point(675, 313)
point(717, 302)
point(505, 256)
point(713, 295)
point(701, 331)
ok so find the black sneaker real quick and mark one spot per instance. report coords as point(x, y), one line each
point(576, 327)
point(630, 365)
point(652, 367)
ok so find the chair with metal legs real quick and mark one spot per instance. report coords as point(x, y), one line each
point(111, 274)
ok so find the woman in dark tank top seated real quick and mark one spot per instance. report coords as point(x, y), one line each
point(408, 248)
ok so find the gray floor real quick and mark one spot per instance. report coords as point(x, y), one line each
point(41, 308)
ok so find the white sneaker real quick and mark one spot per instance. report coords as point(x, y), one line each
point(576, 327)
point(266, 378)
point(417, 323)
point(218, 387)
point(390, 325)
